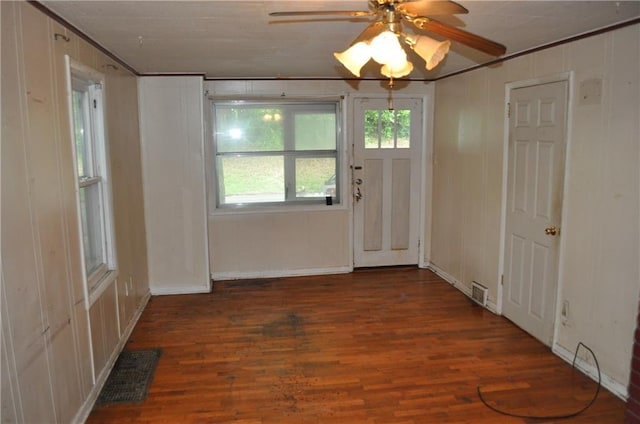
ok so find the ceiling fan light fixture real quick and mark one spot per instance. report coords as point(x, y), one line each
point(381, 39)
point(398, 70)
point(355, 57)
point(429, 49)
point(386, 48)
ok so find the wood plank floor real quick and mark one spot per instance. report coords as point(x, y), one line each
point(376, 346)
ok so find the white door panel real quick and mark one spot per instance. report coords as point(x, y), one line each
point(537, 128)
point(387, 181)
point(372, 204)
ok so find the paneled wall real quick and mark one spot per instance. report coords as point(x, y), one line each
point(599, 275)
point(48, 370)
point(293, 241)
point(123, 131)
point(174, 184)
point(240, 243)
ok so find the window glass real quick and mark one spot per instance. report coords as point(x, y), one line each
point(403, 128)
point(315, 177)
point(387, 129)
point(94, 202)
point(92, 234)
point(276, 153)
point(315, 131)
point(249, 129)
point(251, 179)
point(371, 129)
point(81, 132)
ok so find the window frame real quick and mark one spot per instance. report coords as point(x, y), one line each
point(91, 83)
point(288, 153)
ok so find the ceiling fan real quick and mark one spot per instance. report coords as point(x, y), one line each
point(381, 40)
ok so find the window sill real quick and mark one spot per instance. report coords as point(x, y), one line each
point(262, 209)
point(96, 292)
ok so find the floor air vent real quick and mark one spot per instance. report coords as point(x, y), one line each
point(479, 293)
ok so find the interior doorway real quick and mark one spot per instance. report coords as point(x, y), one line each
point(535, 175)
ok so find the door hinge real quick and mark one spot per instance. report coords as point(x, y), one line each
point(508, 109)
point(502, 280)
point(95, 104)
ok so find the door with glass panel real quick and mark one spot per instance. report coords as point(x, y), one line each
point(386, 181)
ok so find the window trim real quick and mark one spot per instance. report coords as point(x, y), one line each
point(299, 203)
point(79, 75)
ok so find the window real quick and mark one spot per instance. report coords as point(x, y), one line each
point(276, 153)
point(387, 129)
point(90, 154)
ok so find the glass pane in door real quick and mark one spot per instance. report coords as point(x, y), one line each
point(387, 129)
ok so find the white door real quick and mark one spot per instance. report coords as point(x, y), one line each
point(537, 127)
point(387, 181)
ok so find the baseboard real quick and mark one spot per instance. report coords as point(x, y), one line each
point(591, 371)
point(491, 306)
point(221, 276)
point(450, 279)
point(160, 291)
point(87, 406)
point(615, 387)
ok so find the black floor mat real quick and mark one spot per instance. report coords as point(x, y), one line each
point(130, 377)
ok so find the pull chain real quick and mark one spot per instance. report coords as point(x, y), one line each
point(390, 93)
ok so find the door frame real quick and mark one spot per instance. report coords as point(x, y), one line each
point(569, 78)
point(426, 186)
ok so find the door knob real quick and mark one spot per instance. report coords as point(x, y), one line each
point(551, 231)
point(358, 194)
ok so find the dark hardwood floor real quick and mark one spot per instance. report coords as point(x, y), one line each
point(375, 346)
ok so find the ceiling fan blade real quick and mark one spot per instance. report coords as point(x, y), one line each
point(324, 12)
point(428, 7)
point(370, 32)
point(303, 20)
point(464, 37)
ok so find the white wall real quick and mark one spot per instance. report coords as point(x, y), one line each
point(174, 184)
point(599, 274)
point(48, 372)
point(279, 242)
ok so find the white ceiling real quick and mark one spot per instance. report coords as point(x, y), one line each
point(238, 38)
